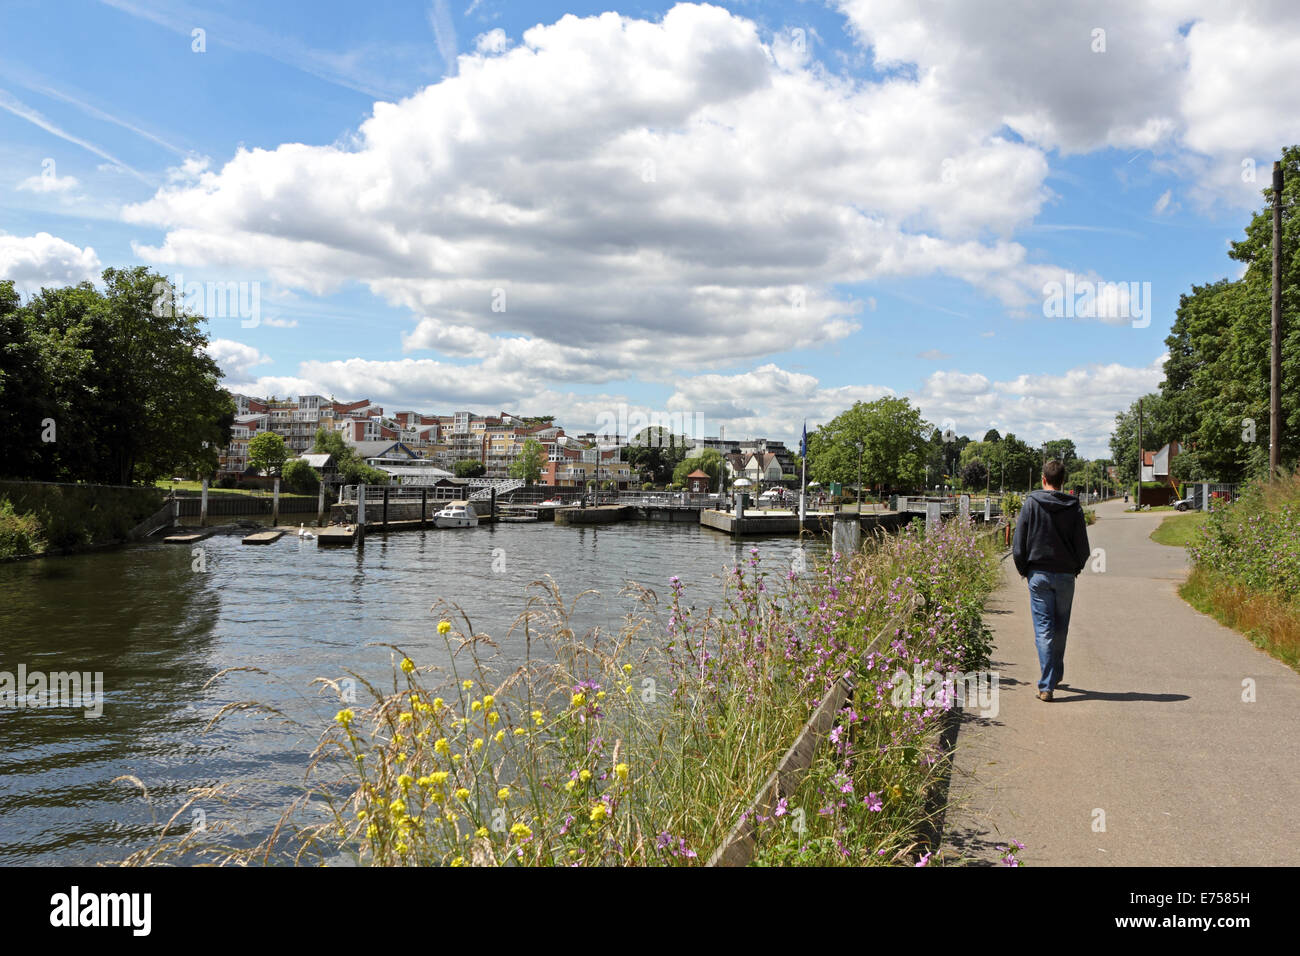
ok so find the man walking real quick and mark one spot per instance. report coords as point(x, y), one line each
point(1050, 550)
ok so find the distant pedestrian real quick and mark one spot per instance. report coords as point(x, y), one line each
point(1050, 550)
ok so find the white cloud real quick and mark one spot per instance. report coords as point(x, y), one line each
point(52, 183)
point(45, 260)
point(235, 358)
point(657, 195)
point(494, 41)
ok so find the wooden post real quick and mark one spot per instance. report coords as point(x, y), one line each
point(203, 505)
point(493, 505)
point(275, 504)
point(320, 505)
point(1275, 365)
point(361, 508)
point(385, 522)
point(424, 503)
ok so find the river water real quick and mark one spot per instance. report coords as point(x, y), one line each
point(158, 630)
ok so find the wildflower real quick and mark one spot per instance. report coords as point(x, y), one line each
point(466, 684)
point(627, 668)
point(361, 815)
point(493, 717)
point(476, 706)
point(444, 627)
point(520, 832)
point(620, 771)
point(405, 718)
point(477, 745)
point(487, 700)
point(462, 794)
point(925, 859)
point(537, 717)
point(408, 665)
point(372, 832)
point(441, 746)
point(500, 735)
point(599, 812)
point(405, 780)
point(519, 731)
point(345, 717)
point(782, 808)
point(873, 802)
point(503, 794)
point(460, 860)
point(584, 775)
point(438, 704)
point(569, 785)
point(578, 699)
point(481, 832)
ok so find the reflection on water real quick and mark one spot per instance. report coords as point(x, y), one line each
point(159, 630)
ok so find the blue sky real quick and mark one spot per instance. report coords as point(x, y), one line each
point(751, 213)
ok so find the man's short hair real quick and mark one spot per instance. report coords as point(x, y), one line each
point(1054, 473)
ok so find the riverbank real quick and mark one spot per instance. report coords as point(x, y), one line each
point(644, 745)
point(42, 518)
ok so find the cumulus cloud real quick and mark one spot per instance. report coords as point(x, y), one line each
point(709, 202)
point(494, 41)
point(235, 358)
point(45, 260)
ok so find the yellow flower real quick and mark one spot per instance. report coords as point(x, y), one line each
point(451, 816)
point(405, 718)
point(441, 746)
point(627, 668)
point(345, 716)
point(477, 745)
point(361, 815)
point(584, 775)
point(401, 758)
point(500, 735)
point(570, 784)
point(372, 832)
point(896, 791)
point(519, 731)
point(462, 794)
point(444, 627)
point(402, 848)
point(437, 704)
point(537, 718)
point(466, 683)
point(397, 808)
point(520, 831)
point(455, 758)
point(408, 665)
point(493, 717)
point(405, 780)
point(503, 794)
point(621, 772)
point(481, 832)
point(600, 695)
point(476, 706)
point(627, 688)
point(599, 812)
point(487, 700)
point(578, 699)
point(460, 860)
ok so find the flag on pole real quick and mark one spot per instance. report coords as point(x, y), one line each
point(803, 442)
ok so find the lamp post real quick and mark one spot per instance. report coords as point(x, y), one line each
point(858, 445)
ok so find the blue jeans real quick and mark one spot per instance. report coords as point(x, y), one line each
point(1050, 595)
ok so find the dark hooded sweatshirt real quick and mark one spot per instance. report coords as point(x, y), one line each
point(1051, 534)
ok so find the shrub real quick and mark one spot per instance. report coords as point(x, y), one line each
point(300, 477)
point(20, 534)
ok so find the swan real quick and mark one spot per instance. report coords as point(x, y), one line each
point(303, 532)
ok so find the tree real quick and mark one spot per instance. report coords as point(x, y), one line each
point(529, 464)
point(124, 377)
point(267, 452)
point(1062, 449)
point(992, 435)
point(892, 433)
point(300, 477)
point(469, 468)
point(1158, 427)
point(708, 461)
point(974, 475)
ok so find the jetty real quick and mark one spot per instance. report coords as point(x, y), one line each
point(264, 537)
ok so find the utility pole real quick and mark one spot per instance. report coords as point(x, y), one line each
point(1275, 374)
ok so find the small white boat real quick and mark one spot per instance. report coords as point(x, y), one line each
point(457, 514)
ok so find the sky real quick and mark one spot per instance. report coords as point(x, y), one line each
point(741, 215)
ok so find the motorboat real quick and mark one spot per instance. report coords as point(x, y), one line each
point(457, 514)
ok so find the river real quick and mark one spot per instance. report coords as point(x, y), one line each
point(158, 630)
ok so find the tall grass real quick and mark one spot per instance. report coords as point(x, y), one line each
point(1247, 567)
point(645, 745)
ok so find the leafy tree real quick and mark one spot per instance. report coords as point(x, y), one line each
point(267, 452)
point(975, 474)
point(1063, 450)
point(469, 468)
point(300, 477)
point(992, 435)
point(892, 433)
point(708, 461)
point(1158, 427)
point(529, 464)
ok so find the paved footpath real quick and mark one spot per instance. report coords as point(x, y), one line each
point(1149, 727)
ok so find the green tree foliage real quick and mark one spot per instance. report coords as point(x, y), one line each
point(708, 461)
point(531, 461)
point(1159, 425)
point(351, 469)
point(125, 379)
point(469, 468)
point(892, 433)
point(267, 452)
point(974, 475)
point(992, 435)
point(656, 452)
point(1062, 449)
point(300, 477)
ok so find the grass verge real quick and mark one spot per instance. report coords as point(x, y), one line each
point(1180, 530)
point(1267, 620)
